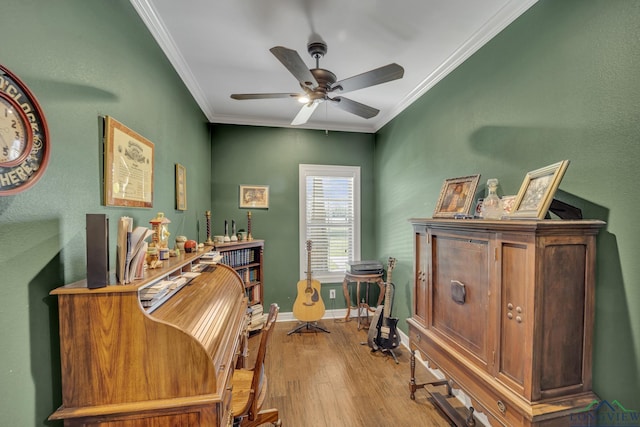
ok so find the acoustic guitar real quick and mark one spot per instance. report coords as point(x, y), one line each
point(308, 306)
point(383, 332)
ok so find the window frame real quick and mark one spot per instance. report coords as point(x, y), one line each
point(306, 170)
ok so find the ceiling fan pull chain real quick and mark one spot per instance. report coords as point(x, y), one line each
point(326, 118)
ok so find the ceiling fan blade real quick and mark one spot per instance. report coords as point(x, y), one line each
point(370, 78)
point(296, 66)
point(305, 113)
point(264, 95)
point(354, 107)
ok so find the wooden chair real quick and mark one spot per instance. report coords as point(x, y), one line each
point(250, 385)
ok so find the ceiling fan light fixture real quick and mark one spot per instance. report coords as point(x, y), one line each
point(317, 83)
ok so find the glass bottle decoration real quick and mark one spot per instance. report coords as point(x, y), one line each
point(492, 205)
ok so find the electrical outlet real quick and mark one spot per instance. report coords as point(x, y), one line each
point(332, 294)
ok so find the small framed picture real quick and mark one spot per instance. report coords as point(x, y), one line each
point(537, 190)
point(456, 196)
point(477, 213)
point(181, 187)
point(254, 196)
point(507, 204)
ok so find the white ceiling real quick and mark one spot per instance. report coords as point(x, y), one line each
point(222, 47)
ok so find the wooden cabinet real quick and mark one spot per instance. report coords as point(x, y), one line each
point(247, 258)
point(505, 310)
point(166, 365)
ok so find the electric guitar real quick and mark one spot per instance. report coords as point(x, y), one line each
point(308, 306)
point(383, 333)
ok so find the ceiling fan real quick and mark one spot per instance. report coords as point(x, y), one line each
point(317, 83)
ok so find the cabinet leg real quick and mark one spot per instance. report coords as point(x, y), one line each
point(412, 382)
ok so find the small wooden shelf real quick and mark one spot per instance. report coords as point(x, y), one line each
point(247, 259)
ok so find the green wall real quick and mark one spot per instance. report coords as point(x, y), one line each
point(559, 83)
point(270, 156)
point(82, 59)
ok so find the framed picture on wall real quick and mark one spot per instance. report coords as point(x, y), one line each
point(128, 167)
point(254, 196)
point(537, 190)
point(181, 187)
point(456, 196)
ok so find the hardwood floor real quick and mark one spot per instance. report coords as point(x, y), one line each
point(319, 379)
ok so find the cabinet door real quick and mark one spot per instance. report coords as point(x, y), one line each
point(460, 291)
point(516, 314)
point(420, 275)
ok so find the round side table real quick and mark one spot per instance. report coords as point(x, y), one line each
point(361, 305)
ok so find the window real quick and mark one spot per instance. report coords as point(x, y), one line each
point(330, 218)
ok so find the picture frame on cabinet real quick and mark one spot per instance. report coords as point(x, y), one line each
point(128, 166)
point(456, 196)
point(537, 191)
point(507, 203)
point(181, 187)
point(254, 196)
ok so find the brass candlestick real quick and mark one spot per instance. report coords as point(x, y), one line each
point(207, 215)
point(249, 236)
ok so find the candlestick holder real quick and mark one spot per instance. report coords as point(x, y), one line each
point(234, 236)
point(207, 215)
point(226, 232)
point(249, 236)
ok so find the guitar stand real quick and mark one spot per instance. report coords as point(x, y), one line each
point(382, 350)
point(308, 326)
point(438, 400)
point(390, 351)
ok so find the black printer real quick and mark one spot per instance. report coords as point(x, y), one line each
point(364, 267)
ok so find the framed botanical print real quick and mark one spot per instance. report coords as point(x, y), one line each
point(254, 196)
point(537, 191)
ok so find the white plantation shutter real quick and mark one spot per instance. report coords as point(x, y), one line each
point(329, 218)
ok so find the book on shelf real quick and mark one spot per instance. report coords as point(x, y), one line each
point(257, 317)
point(258, 323)
point(152, 294)
point(131, 250)
point(238, 257)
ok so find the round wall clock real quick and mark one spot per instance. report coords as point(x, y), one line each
point(24, 137)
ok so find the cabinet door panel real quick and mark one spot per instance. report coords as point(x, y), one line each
point(563, 316)
point(464, 261)
point(515, 317)
point(420, 297)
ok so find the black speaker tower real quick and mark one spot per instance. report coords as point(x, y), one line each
point(97, 251)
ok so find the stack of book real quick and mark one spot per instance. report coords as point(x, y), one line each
point(154, 293)
point(212, 257)
point(131, 250)
point(257, 317)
